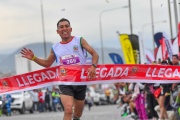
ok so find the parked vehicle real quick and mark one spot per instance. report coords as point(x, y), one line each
point(103, 99)
point(22, 102)
point(94, 95)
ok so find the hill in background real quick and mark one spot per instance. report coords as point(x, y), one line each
point(7, 62)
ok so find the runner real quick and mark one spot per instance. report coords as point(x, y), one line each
point(69, 51)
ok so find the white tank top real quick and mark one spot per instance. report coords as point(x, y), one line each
point(70, 53)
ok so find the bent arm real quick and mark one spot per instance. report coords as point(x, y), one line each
point(46, 62)
point(94, 54)
point(27, 53)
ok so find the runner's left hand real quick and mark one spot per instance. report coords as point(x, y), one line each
point(91, 72)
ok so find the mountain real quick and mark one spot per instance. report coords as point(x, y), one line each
point(7, 62)
point(3, 56)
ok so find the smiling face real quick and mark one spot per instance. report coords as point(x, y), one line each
point(64, 30)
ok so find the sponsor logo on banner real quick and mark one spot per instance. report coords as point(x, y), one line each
point(134, 70)
point(5, 84)
point(62, 71)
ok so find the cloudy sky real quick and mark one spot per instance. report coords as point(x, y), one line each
point(20, 21)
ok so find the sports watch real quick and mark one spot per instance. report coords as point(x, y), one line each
point(94, 65)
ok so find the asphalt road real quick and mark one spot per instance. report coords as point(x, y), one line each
point(108, 112)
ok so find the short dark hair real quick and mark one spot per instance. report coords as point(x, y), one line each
point(62, 20)
point(164, 62)
point(175, 56)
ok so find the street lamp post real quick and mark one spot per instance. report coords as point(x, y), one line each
point(152, 23)
point(156, 22)
point(130, 17)
point(100, 26)
point(179, 9)
point(170, 19)
point(176, 15)
point(43, 28)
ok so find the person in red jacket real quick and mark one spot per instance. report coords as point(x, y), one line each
point(41, 101)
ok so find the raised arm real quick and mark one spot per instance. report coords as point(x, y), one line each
point(27, 53)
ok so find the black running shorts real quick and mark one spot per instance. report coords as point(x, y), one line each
point(77, 91)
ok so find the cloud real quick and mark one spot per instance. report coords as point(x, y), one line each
point(21, 20)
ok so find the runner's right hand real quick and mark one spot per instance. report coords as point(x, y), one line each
point(27, 53)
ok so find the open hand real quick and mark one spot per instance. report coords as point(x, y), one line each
point(27, 53)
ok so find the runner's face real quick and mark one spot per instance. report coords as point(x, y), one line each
point(64, 30)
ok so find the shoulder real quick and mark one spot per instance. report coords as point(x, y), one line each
point(56, 45)
point(77, 37)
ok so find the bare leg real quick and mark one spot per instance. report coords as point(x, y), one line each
point(78, 108)
point(163, 112)
point(67, 102)
point(132, 106)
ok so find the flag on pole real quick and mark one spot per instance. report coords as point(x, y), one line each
point(136, 48)
point(127, 49)
point(116, 58)
point(163, 47)
point(168, 43)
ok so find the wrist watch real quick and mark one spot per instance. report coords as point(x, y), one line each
point(94, 65)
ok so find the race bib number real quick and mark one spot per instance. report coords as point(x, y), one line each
point(70, 59)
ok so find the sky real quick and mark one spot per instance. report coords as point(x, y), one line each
point(21, 23)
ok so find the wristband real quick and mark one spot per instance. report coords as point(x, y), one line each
point(33, 58)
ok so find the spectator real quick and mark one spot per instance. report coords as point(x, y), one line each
point(164, 89)
point(107, 93)
point(151, 101)
point(47, 100)
point(1, 105)
point(55, 98)
point(168, 107)
point(7, 105)
point(138, 101)
point(123, 97)
point(175, 61)
point(35, 98)
point(89, 101)
point(41, 101)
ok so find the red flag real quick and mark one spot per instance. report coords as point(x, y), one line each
point(163, 47)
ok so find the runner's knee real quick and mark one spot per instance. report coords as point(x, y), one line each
point(77, 114)
point(68, 109)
